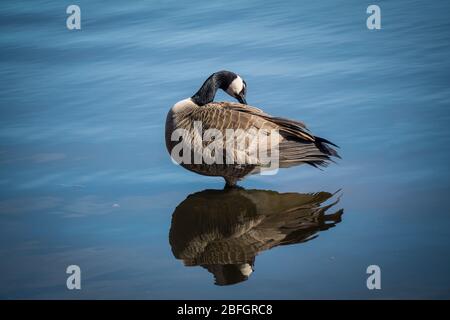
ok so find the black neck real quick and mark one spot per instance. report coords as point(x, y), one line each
point(208, 90)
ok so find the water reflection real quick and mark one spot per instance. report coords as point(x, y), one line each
point(224, 230)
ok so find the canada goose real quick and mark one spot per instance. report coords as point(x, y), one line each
point(296, 145)
point(224, 230)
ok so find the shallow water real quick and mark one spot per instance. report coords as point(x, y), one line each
point(86, 179)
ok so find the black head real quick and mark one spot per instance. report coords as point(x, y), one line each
point(233, 84)
point(228, 81)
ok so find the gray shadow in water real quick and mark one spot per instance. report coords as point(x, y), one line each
point(224, 230)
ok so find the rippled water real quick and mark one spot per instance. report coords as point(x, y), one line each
point(86, 179)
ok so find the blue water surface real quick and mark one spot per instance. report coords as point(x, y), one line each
point(85, 177)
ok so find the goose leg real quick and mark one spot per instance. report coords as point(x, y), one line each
point(230, 182)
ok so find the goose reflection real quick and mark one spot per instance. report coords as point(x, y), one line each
point(224, 230)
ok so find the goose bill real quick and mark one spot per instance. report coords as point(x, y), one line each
point(241, 100)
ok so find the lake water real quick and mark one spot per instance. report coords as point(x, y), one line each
point(85, 177)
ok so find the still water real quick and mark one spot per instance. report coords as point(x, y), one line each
point(85, 178)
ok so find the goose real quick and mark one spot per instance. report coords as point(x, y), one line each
point(224, 230)
point(296, 144)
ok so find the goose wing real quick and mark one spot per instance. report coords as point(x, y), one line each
point(288, 126)
point(249, 126)
point(228, 115)
point(295, 143)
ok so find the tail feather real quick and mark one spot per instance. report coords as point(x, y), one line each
point(300, 146)
point(295, 151)
point(323, 145)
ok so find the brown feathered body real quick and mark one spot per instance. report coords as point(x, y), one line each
point(294, 143)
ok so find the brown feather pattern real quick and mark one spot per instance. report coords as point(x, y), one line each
point(296, 144)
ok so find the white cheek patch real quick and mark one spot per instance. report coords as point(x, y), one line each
point(246, 269)
point(235, 87)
